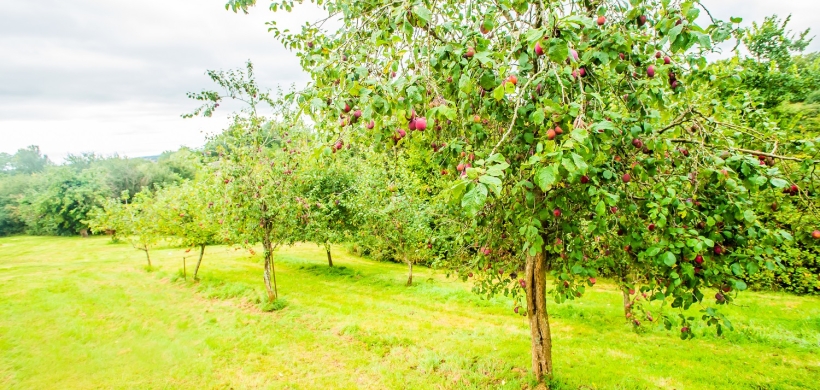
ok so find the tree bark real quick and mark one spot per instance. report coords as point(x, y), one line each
point(627, 303)
point(329, 258)
point(538, 316)
point(147, 256)
point(269, 269)
point(410, 274)
point(201, 252)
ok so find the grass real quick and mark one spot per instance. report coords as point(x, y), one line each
point(84, 313)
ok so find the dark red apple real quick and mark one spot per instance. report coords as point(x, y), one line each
point(651, 227)
point(626, 178)
point(637, 143)
point(699, 259)
point(556, 212)
point(584, 179)
point(650, 71)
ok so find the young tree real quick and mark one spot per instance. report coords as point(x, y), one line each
point(589, 121)
point(136, 221)
point(326, 192)
point(189, 211)
point(258, 167)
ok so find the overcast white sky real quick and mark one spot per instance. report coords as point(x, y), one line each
point(111, 76)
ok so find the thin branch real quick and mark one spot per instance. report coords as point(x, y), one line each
point(749, 151)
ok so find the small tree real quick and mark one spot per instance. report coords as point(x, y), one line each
point(258, 167)
point(189, 211)
point(136, 221)
point(326, 193)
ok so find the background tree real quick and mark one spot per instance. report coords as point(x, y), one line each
point(59, 201)
point(326, 193)
point(189, 212)
point(136, 221)
point(259, 180)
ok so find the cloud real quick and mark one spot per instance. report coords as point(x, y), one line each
point(111, 76)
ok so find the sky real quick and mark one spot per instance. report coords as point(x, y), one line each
point(112, 76)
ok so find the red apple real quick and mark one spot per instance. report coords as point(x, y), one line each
point(556, 212)
point(421, 123)
point(626, 178)
point(551, 134)
point(815, 234)
point(601, 20)
point(539, 51)
point(651, 227)
point(469, 53)
point(650, 71)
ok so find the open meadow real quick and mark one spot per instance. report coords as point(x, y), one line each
point(85, 313)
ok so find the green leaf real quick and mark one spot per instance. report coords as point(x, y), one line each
point(422, 13)
point(498, 92)
point(474, 200)
point(580, 163)
point(537, 117)
point(668, 258)
point(493, 182)
point(740, 285)
point(674, 32)
point(600, 209)
point(778, 183)
point(749, 215)
point(558, 51)
point(545, 177)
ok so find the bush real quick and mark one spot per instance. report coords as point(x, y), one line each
point(813, 97)
point(798, 271)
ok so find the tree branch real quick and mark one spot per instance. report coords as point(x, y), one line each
point(749, 151)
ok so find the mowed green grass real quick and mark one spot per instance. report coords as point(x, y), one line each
point(84, 313)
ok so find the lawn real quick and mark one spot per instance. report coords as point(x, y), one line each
point(85, 313)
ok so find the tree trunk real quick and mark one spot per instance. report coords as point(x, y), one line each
point(270, 270)
point(147, 256)
point(201, 252)
point(627, 303)
point(329, 258)
point(537, 314)
point(410, 274)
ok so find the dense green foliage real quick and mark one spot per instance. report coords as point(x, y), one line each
point(38, 197)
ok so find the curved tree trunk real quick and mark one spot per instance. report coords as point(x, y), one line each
point(201, 252)
point(538, 316)
point(329, 258)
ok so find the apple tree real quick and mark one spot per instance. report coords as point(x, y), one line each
point(592, 133)
point(189, 211)
point(135, 220)
point(326, 193)
point(258, 167)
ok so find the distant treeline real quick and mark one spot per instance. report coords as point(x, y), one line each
point(43, 198)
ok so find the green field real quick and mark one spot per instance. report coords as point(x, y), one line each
point(84, 313)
